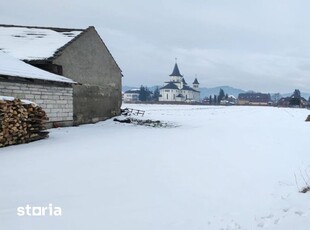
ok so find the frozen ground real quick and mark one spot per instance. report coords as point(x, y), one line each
point(221, 168)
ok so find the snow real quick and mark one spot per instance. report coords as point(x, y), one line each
point(6, 98)
point(11, 66)
point(23, 43)
point(221, 168)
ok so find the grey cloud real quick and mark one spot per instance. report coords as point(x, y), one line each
point(260, 44)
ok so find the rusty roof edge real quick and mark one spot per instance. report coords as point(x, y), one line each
point(57, 29)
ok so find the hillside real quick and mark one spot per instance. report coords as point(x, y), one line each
point(206, 92)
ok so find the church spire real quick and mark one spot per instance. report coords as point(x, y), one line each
point(176, 71)
point(196, 81)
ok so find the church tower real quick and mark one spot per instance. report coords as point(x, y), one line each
point(176, 76)
point(196, 85)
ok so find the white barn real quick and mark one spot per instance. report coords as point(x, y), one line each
point(177, 90)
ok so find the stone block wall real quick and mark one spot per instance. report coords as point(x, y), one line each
point(56, 100)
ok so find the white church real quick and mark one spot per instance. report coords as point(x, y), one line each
point(177, 90)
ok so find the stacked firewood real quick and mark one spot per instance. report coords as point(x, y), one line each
point(20, 122)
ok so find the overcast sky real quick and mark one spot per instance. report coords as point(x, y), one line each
point(261, 45)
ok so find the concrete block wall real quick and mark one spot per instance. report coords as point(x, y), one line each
point(94, 103)
point(57, 101)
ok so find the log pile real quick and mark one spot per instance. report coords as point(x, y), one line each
point(20, 122)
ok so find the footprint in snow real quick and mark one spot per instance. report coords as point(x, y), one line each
point(300, 213)
point(232, 226)
point(268, 217)
point(261, 225)
point(267, 220)
point(285, 209)
point(276, 221)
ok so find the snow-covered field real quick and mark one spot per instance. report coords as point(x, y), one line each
point(221, 168)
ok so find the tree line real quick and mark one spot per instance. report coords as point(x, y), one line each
point(147, 95)
point(216, 99)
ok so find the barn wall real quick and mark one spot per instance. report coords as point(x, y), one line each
point(98, 103)
point(56, 101)
point(88, 61)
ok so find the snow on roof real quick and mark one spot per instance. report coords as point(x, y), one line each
point(11, 66)
point(27, 43)
point(133, 91)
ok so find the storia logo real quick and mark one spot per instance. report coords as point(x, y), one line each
point(50, 210)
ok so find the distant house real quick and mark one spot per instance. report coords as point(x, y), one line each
point(229, 100)
point(131, 95)
point(79, 54)
point(252, 98)
point(177, 90)
point(52, 92)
